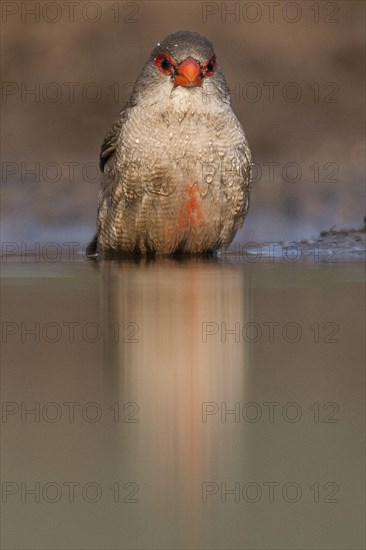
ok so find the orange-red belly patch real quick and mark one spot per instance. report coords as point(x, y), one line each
point(190, 213)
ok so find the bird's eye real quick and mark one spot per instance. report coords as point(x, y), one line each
point(210, 67)
point(164, 63)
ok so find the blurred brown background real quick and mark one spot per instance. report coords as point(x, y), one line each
point(296, 70)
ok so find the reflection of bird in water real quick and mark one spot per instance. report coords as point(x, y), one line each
point(176, 164)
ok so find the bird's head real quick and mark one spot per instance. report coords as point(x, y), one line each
point(186, 58)
point(183, 60)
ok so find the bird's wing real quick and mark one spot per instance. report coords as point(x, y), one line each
point(110, 141)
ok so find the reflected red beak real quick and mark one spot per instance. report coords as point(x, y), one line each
point(188, 73)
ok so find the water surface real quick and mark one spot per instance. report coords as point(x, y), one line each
point(212, 404)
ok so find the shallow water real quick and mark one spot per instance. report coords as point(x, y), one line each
point(211, 404)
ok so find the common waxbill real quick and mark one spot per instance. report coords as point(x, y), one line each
point(176, 163)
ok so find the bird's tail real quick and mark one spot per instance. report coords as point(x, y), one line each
point(91, 249)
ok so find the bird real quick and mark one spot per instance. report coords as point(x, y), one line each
point(176, 165)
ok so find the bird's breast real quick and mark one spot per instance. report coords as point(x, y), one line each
point(177, 181)
point(176, 149)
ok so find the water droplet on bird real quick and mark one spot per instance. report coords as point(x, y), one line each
point(209, 179)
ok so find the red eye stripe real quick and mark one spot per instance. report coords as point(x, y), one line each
point(165, 63)
point(209, 66)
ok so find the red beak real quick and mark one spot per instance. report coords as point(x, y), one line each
point(188, 73)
